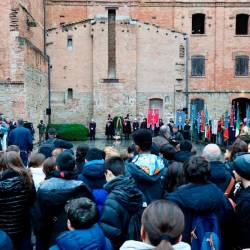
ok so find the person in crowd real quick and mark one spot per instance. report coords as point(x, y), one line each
point(238, 147)
point(81, 152)
point(162, 226)
point(242, 175)
point(227, 153)
point(245, 134)
point(126, 127)
point(13, 148)
point(200, 197)
point(92, 129)
point(167, 151)
point(144, 124)
point(157, 127)
point(186, 130)
point(109, 129)
point(148, 170)
point(22, 138)
point(111, 151)
point(135, 125)
point(171, 125)
point(48, 215)
point(93, 175)
point(176, 136)
point(176, 176)
point(130, 152)
point(41, 129)
point(123, 201)
point(220, 174)
point(56, 152)
point(5, 241)
point(49, 166)
point(84, 231)
point(185, 151)
point(3, 133)
point(52, 143)
point(17, 196)
point(35, 165)
point(163, 137)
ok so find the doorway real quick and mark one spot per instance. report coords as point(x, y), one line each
point(244, 104)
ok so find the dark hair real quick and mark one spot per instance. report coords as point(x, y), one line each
point(13, 148)
point(49, 166)
point(36, 160)
point(95, 154)
point(81, 152)
point(82, 213)
point(116, 165)
point(52, 131)
point(176, 176)
point(186, 145)
point(12, 160)
point(143, 139)
point(197, 169)
point(66, 161)
point(239, 146)
point(131, 149)
point(163, 221)
point(168, 151)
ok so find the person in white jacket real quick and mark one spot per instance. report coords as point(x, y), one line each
point(162, 226)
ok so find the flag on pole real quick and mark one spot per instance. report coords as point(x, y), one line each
point(202, 121)
point(193, 115)
point(198, 122)
point(237, 128)
point(226, 127)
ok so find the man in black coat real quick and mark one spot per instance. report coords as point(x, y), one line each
point(185, 151)
point(148, 170)
point(92, 129)
point(123, 201)
point(220, 174)
point(242, 175)
point(49, 214)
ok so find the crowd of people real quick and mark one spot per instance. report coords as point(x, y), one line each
point(159, 194)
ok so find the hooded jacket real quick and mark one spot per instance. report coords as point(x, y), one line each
point(123, 201)
point(49, 214)
point(87, 239)
point(93, 175)
point(137, 245)
point(204, 198)
point(149, 172)
point(243, 218)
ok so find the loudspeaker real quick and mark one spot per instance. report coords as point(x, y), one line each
point(48, 111)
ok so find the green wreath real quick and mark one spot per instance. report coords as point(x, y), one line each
point(118, 121)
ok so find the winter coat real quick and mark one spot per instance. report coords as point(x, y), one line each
point(87, 239)
point(149, 172)
point(22, 138)
point(160, 141)
point(137, 245)
point(122, 202)
point(110, 129)
point(49, 216)
point(243, 218)
point(5, 241)
point(204, 198)
point(93, 175)
point(220, 175)
point(177, 137)
point(135, 126)
point(16, 199)
point(182, 156)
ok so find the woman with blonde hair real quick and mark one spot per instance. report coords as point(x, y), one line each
point(16, 197)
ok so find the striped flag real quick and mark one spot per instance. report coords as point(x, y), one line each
point(237, 128)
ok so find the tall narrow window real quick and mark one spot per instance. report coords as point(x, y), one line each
point(111, 44)
point(199, 103)
point(70, 43)
point(242, 21)
point(70, 94)
point(198, 65)
point(241, 65)
point(198, 24)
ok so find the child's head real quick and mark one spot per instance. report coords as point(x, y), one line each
point(82, 213)
point(95, 154)
point(56, 152)
point(36, 160)
point(162, 224)
point(81, 152)
point(49, 166)
point(142, 140)
point(168, 151)
point(113, 167)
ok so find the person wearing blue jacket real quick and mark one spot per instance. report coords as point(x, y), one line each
point(22, 138)
point(84, 231)
point(93, 175)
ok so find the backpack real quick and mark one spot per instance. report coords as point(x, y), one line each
point(205, 234)
point(47, 147)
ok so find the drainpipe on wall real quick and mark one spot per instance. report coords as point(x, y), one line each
point(186, 73)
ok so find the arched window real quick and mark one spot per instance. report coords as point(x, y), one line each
point(242, 22)
point(70, 94)
point(198, 65)
point(198, 23)
point(198, 103)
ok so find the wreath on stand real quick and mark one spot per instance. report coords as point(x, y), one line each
point(118, 124)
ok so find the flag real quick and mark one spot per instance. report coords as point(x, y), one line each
point(237, 127)
point(207, 131)
point(226, 127)
point(231, 118)
point(248, 115)
point(192, 115)
point(206, 117)
point(202, 121)
point(198, 122)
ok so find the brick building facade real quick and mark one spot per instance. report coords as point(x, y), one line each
point(157, 53)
